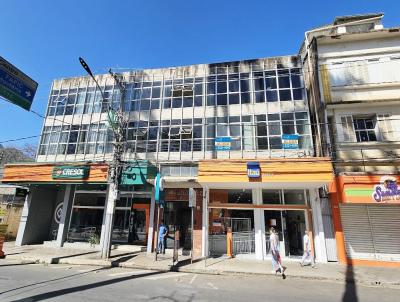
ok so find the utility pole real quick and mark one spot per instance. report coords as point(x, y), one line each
point(117, 123)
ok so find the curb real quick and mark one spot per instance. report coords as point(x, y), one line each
point(109, 263)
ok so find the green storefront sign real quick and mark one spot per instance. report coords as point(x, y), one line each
point(70, 172)
point(138, 172)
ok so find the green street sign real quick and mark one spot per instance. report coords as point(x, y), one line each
point(70, 172)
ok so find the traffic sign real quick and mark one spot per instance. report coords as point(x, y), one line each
point(16, 86)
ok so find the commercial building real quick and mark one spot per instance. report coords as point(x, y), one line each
point(237, 132)
point(354, 80)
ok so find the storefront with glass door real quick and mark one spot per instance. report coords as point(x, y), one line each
point(284, 195)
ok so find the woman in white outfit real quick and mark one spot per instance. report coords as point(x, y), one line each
point(276, 257)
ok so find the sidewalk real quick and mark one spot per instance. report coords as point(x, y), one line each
point(375, 276)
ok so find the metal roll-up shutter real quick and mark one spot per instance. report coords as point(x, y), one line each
point(357, 231)
point(385, 222)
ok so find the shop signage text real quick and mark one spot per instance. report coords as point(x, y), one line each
point(290, 141)
point(387, 191)
point(253, 170)
point(15, 86)
point(223, 143)
point(70, 172)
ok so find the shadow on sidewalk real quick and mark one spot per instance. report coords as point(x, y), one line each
point(70, 290)
point(350, 293)
point(56, 260)
point(121, 258)
point(15, 264)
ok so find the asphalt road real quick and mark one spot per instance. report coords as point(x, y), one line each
point(38, 282)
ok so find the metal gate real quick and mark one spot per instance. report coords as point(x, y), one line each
point(330, 242)
point(371, 231)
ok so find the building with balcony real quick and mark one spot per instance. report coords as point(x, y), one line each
point(352, 75)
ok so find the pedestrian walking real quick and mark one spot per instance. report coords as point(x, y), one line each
point(162, 237)
point(276, 257)
point(307, 253)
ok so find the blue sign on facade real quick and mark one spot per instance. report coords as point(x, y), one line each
point(223, 143)
point(253, 169)
point(15, 86)
point(290, 141)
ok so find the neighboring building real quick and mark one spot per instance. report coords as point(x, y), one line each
point(353, 77)
point(12, 200)
point(237, 132)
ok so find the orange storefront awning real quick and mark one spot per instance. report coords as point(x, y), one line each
point(316, 170)
point(43, 173)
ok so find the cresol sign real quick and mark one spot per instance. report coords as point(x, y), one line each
point(387, 191)
point(70, 172)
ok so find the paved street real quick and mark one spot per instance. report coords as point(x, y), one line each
point(38, 282)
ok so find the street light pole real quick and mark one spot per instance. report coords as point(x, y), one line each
point(117, 123)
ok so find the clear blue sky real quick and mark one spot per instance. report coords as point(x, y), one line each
point(45, 38)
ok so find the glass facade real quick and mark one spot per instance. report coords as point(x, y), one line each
point(252, 102)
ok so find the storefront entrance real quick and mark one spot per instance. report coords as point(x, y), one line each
point(177, 216)
point(235, 211)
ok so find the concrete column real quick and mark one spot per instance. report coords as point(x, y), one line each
point(319, 235)
point(103, 224)
point(109, 220)
point(204, 231)
point(259, 226)
point(151, 223)
point(24, 218)
point(68, 200)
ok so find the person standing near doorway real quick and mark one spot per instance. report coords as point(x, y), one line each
point(307, 253)
point(276, 257)
point(162, 237)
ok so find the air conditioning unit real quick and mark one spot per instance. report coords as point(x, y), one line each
point(323, 192)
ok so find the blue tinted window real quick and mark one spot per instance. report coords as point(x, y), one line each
point(284, 95)
point(259, 97)
point(245, 97)
point(167, 104)
point(145, 105)
point(188, 102)
point(156, 92)
point(233, 98)
point(198, 101)
point(284, 82)
point(296, 82)
point(270, 83)
point(146, 93)
point(221, 87)
point(233, 86)
point(210, 100)
point(176, 103)
point(211, 88)
point(155, 104)
point(272, 96)
point(298, 94)
point(259, 84)
point(221, 99)
point(198, 89)
point(244, 85)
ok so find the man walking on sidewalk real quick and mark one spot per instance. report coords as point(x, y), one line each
point(307, 254)
point(276, 257)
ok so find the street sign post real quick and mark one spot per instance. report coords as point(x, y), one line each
point(15, 86)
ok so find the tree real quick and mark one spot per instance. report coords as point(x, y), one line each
point(17, 154)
